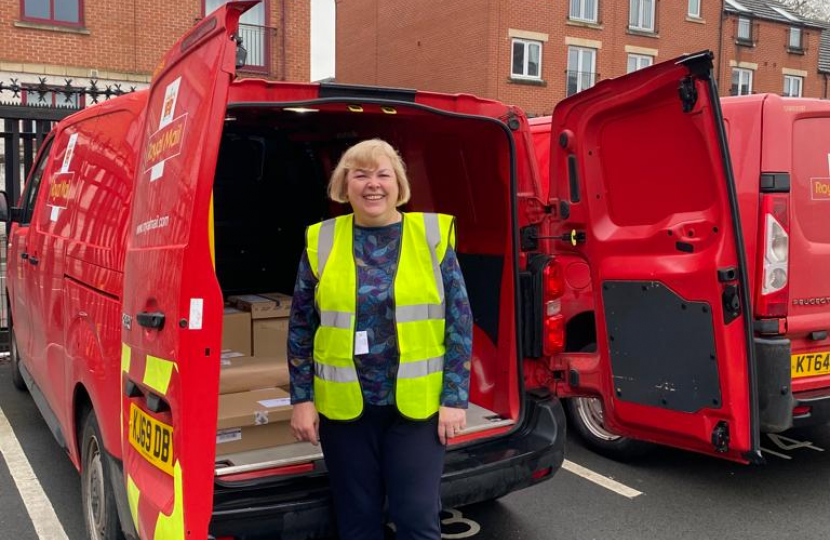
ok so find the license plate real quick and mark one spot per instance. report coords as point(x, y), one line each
point(152, 439)
point(810, 364)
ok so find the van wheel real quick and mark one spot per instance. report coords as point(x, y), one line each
point(14, 353)
point(585, 415)
point(97, 499)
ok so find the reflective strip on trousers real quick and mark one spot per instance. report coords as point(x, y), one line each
point(419, 312)
point(421, 368)
point(336, 319)
point(433, 233)
point(335, 374)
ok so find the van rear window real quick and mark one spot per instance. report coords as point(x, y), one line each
point(810, 181)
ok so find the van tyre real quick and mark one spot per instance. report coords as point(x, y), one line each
point(97, 499)
point(14, 353)
point(585, 416)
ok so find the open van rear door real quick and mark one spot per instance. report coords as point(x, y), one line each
point(646, 181)
point(172, 302)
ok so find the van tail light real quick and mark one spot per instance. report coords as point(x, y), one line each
point(553, 322)
point(774, 289)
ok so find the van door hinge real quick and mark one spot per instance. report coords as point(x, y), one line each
point(688, 94)
point(720, 437)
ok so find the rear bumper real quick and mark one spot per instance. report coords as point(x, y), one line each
point(819, 403)
point(299, 508)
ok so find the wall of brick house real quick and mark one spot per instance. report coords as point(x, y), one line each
point(430, 44)
point(131, 37)
point(675, 34)
point(296, 61)
point(125, 37)
point(771, 56)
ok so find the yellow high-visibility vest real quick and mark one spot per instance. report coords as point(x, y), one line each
point(419, 315)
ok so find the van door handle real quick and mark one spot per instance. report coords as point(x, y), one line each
point(34, 260)
point(151, 320)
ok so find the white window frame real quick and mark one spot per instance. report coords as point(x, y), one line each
point(526, 43)
point(640, 61)
point(741, 72)
point(795, 30)
point(638, 12)
point(579, 10)
point(694, 8)
point(745, 22)
point(580, 68)
point(789, 80)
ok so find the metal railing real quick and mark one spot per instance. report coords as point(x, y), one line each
point(256, 40)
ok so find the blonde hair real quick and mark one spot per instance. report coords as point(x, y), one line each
point(364, 155)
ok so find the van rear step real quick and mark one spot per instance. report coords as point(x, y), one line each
point(478, 419)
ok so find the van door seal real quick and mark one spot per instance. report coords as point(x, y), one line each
point(696, 64)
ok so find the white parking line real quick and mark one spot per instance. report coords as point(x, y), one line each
point(600, 480)
point(43, 516)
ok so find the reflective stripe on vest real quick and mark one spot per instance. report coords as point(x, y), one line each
point(419, 315)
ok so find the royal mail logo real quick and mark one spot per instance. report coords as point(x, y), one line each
point(165, 144)
point(59, 186)
point(820, 189)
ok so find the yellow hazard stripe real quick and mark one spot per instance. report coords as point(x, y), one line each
point(126, 355)
point(133, 494)
point(211, 238)
point(157, 372)
point(172, 527)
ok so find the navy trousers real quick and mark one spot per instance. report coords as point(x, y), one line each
point(380, 458)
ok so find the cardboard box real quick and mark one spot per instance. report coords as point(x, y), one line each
point(253, 420)
point(243, 373)
point(258, 306)
point(283, 303)
point(270, 337)
point(236, 331)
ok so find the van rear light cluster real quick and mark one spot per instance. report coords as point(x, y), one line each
point(775, 253)
point(553, 322)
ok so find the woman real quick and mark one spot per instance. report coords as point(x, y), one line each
point(380, 340)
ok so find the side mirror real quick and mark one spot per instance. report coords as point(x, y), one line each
point(5, 215)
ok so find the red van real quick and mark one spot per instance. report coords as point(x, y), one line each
point(668, 272)
point(143, 214)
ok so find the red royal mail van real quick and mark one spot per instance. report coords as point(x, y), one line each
point(668, 273)
point(144, 215)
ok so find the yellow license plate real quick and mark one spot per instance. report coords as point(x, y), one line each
point(152, 439)
point(810, 364)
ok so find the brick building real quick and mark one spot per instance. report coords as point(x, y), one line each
point(121, 42)
point(533, 53)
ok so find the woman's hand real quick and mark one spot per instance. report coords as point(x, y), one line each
point(450, 423)
point(305, 422)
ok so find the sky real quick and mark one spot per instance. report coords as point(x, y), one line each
point(322, 39)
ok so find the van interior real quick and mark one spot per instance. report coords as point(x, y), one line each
point(271, 183)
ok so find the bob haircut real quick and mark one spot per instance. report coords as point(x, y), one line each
point(364, 155)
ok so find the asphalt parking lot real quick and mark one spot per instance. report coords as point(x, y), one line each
point(670, 495)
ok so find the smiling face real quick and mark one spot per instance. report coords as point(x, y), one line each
point(373, 193)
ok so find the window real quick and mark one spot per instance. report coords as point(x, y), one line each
point(795, 38)
point(639, 61)
point(584, 10)
point(694, 9)
point(527, 59)
point(741, 82)
point(744, 29)
point(642, 15)
point(30, 193)
point(61, 12)
point(581, 69)
point(793, 85)
point(254, 34)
